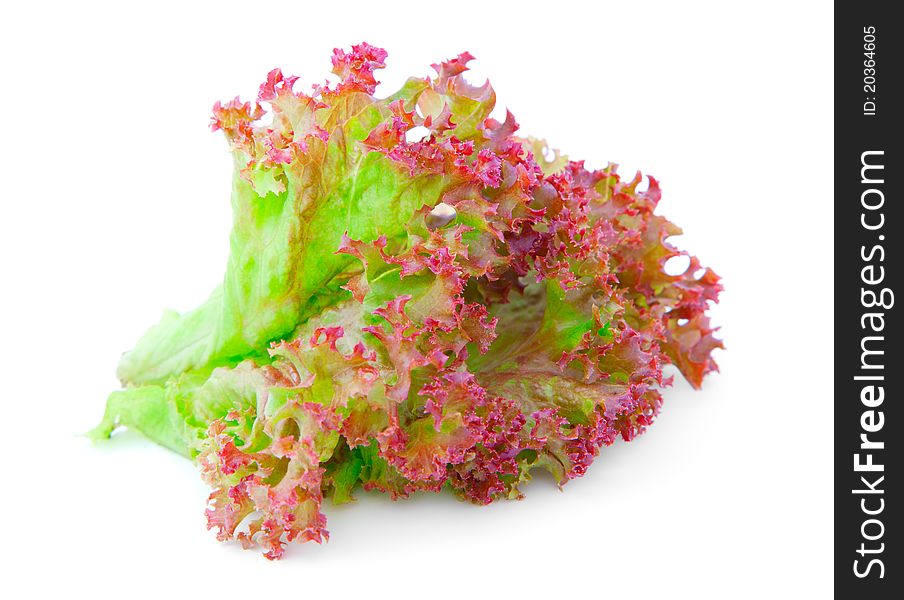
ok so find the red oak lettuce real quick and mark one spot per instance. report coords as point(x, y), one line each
point(404, 313)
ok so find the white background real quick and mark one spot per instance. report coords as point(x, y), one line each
point(115, 206)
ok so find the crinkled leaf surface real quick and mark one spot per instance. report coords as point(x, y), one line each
point(407, 314)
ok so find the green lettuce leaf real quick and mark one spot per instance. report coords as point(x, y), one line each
point(299, 185)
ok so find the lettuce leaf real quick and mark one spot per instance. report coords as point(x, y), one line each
point(299, 184)
point(405, 314)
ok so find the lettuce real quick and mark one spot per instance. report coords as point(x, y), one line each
point(404, 313)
